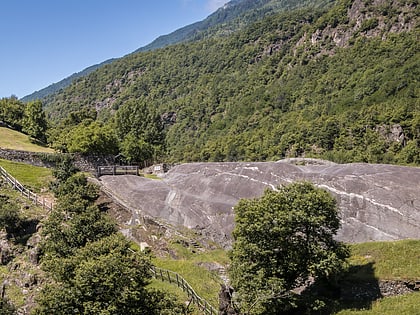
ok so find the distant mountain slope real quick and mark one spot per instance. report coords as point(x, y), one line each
point(337, 82)
point(231, 17)
point(55, 87)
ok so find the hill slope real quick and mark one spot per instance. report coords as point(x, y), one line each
point(227, 19)
point(339, 83)
point(14, 140)
point(55, 87)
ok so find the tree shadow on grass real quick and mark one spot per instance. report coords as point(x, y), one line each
point(355, 289)
point(359, 287)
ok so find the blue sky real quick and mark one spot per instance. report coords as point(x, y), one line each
point(44, 41)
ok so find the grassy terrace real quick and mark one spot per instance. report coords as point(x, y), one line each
point(32, 177)
point(14, 140)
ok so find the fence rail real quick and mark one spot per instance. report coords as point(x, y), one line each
point(117, 170)
point(37, 200)
point(175, 278)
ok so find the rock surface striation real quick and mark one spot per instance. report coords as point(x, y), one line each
point(376, 202)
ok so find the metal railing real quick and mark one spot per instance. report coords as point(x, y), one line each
point(175, 278)
point(37, 200)
point(117, 170)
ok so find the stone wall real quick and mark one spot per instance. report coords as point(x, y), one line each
point(83, 163)
point(32, 158)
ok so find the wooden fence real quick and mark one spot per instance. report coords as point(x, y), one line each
point(117, 170)
point(37, 200)
point(175, 278)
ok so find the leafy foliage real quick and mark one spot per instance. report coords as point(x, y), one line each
point(93, 269)
point(12, 112)
point(280, 240)
point(34, 121)
point(6, 308)
point(29, 118)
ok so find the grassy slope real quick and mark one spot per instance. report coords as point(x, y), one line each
point(32, 177)
point(390, 260)
point(11, 139)
point(14, 277)
point(402, 305)
point(205, 283)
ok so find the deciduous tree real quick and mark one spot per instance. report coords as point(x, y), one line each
point(280, 240)
point(34, 121)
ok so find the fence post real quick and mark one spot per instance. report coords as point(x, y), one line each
point(169, 276)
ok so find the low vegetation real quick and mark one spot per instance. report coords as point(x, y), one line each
point(396, 260)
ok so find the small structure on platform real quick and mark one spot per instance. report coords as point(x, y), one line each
point(160, 168)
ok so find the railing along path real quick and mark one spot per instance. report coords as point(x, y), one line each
point(37, 200)
point(175, 278)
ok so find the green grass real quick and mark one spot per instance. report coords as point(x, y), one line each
point(408, 304)
point(399, 260)
point(14, 140)
point(189, 265)
point(381, 260)
point(173, 290)
point(152, 176)
point(390, 260)
point(34, 178)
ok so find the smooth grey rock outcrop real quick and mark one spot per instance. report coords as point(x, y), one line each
point(376, 202)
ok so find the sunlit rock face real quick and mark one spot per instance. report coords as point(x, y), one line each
point(376, 202)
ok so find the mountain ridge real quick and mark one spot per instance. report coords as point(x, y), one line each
point(195, 31)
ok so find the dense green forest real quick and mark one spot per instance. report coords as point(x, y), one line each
point(339, 83)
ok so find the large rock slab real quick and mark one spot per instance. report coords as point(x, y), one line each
point(376, 202)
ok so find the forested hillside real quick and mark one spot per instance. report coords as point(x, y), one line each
point(339, 82)
point(231, 17)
